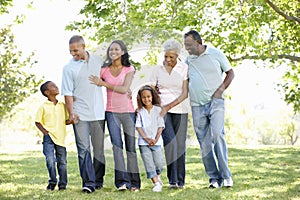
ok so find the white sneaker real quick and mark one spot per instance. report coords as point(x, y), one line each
point(214, 185)
point(157, 187)
point(228, 182)
point(173, 186)
point(122, 187)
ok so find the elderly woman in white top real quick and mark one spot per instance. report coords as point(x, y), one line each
point(171, 81)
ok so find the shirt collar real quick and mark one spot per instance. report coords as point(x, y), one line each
point(50, 102)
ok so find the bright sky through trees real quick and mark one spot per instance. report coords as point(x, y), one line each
point(43, 32)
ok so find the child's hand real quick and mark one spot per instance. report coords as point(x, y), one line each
point(152, 142)
point(73, 119)
point(76, 118)
point(149, 141)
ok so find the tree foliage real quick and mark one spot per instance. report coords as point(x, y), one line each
point(4, 4)
point(243, 29)
point(15, 83)
point(290, 129)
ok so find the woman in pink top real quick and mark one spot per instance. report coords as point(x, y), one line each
point(116, 75)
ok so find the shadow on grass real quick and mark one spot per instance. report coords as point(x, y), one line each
point(264, 173)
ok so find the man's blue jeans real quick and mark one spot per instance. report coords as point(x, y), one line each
point(174, 137)
point(129, 176)
point(60, 157)
point(92, 173)
point(208, 123)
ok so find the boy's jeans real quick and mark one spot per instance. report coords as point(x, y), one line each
point(60, 157)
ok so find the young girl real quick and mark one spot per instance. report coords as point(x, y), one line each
point(150, 124)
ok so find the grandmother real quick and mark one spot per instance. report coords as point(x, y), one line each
point(171, 81)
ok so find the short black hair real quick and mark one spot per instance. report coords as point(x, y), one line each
point(76, 39)
point(44, 87)
point(195, 35)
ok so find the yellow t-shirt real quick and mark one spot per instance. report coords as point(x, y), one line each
point(53, 118)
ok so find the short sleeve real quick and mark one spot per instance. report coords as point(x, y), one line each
point(67, 82)
point(138, 122)
point(103, 72)
point(186, 61)
point(131, 69)
point(224, 62)
point(153, 77)
point(39, 115)
point(185, 71)
point(160, 121)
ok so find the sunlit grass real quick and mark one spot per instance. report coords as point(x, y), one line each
point(258, 173)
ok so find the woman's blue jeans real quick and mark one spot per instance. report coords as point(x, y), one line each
point(116, 123)
point(208, 123)
point(60, 158)
point(174, 138)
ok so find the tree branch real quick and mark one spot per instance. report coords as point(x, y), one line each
point(280, 12)
point(283, 56)
point(176, 4)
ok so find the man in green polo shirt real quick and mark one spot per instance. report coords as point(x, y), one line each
point(206, 86)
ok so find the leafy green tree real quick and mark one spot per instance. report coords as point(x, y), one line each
point(243, 29)
point(4, 4)
point(290, 130)
point(15, 83)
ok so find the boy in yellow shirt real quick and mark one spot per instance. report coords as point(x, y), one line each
point(51, 120)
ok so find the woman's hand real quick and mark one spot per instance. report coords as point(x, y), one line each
point(96, 80)
point(164, 111)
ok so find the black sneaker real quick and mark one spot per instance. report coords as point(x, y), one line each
point(88, 189)
point(213, 184)
point(51, 186)
point(62, 188)
point(98, 187)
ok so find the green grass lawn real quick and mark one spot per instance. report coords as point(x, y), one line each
point(258, 173)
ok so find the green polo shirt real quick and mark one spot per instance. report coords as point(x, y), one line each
point(206, 75)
